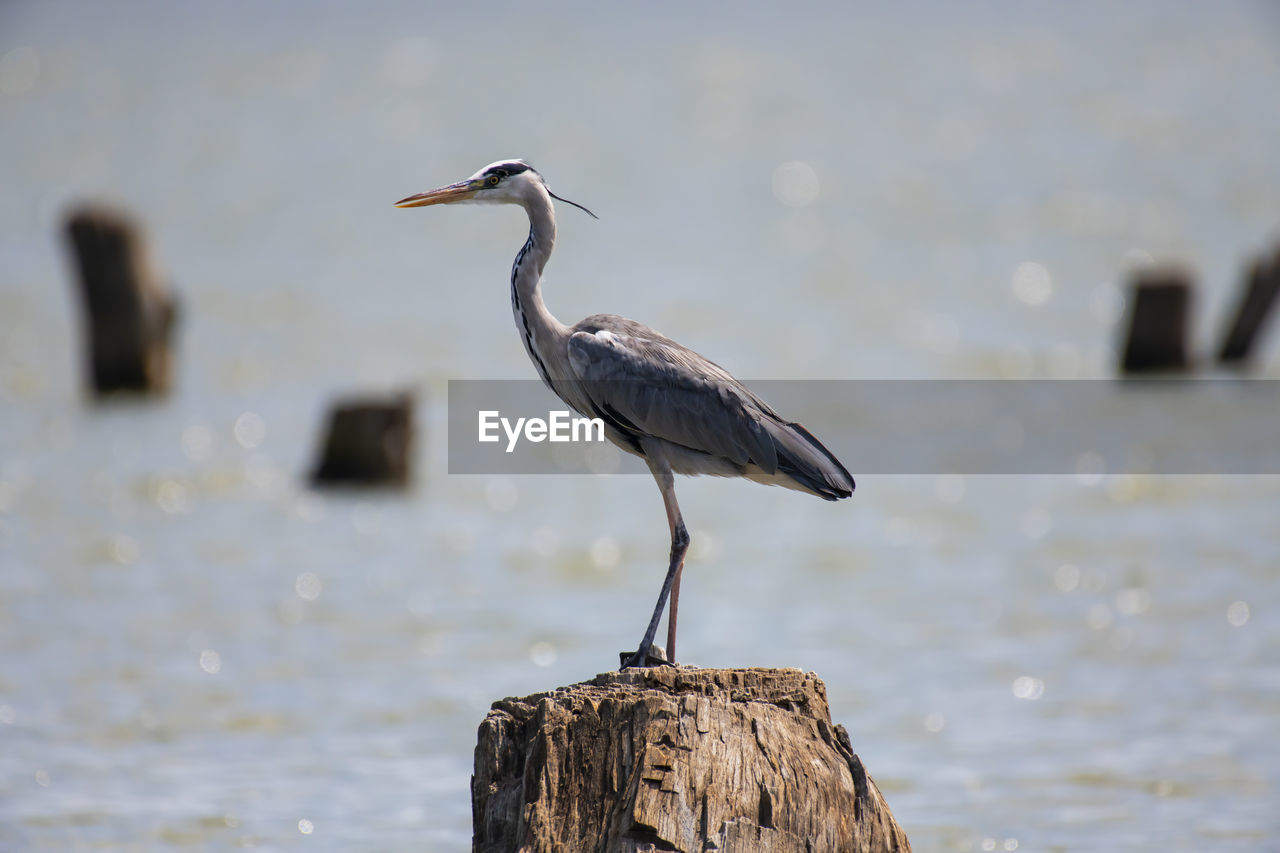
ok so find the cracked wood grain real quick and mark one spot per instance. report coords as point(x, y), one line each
point(676, 759)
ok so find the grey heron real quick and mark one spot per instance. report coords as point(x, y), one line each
point(680, 412)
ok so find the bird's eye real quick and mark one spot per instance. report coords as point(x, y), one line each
point(493, 180)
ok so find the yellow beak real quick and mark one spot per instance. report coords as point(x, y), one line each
point(453, 192)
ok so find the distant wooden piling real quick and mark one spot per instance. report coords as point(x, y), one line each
point(129, 317)
point(1159, 322)
point(676, 759)
point(368, 442)
point(1257, 299)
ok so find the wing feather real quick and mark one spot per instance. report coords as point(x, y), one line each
point(651, 385)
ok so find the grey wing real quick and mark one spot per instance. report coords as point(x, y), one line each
point(646, 385)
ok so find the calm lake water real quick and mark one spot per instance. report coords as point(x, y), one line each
point(199, 652)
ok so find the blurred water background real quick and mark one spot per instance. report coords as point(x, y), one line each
point(199, 652)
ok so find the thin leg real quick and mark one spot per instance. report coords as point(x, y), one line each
point(672, 609)
point(679, 544)
point(675, 524)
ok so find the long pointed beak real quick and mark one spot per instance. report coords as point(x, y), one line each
point(453, 192)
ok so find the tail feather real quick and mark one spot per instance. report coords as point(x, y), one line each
point(806, 461)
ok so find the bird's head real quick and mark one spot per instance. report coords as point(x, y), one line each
point(504, 182)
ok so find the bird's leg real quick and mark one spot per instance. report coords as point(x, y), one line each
point(678, 532)
point(679, 544)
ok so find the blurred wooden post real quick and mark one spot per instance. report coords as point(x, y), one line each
point(1159, 320)
point(1257, 298)
point(676, 758)
point(129, 316)
point(367, 442)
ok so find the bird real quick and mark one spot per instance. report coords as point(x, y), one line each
point(678, 411)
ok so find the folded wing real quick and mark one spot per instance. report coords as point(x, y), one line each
point(644, 384)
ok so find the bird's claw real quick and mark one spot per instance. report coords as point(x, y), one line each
point(655, 656)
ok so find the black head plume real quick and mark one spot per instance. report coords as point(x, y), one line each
point(574, 203)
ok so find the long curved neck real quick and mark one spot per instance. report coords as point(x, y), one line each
point(542, 333)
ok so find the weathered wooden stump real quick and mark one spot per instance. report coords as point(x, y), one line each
point(1257, 298)
point(368, 443)
point(129, 316)
point(675, 759)
point(1159, 320)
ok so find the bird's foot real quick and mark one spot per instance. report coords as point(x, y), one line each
point(655, 656)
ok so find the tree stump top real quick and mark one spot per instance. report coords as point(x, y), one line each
point(676, 759)
point(791, 690)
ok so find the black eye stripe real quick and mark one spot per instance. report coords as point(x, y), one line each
point(506, 170)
